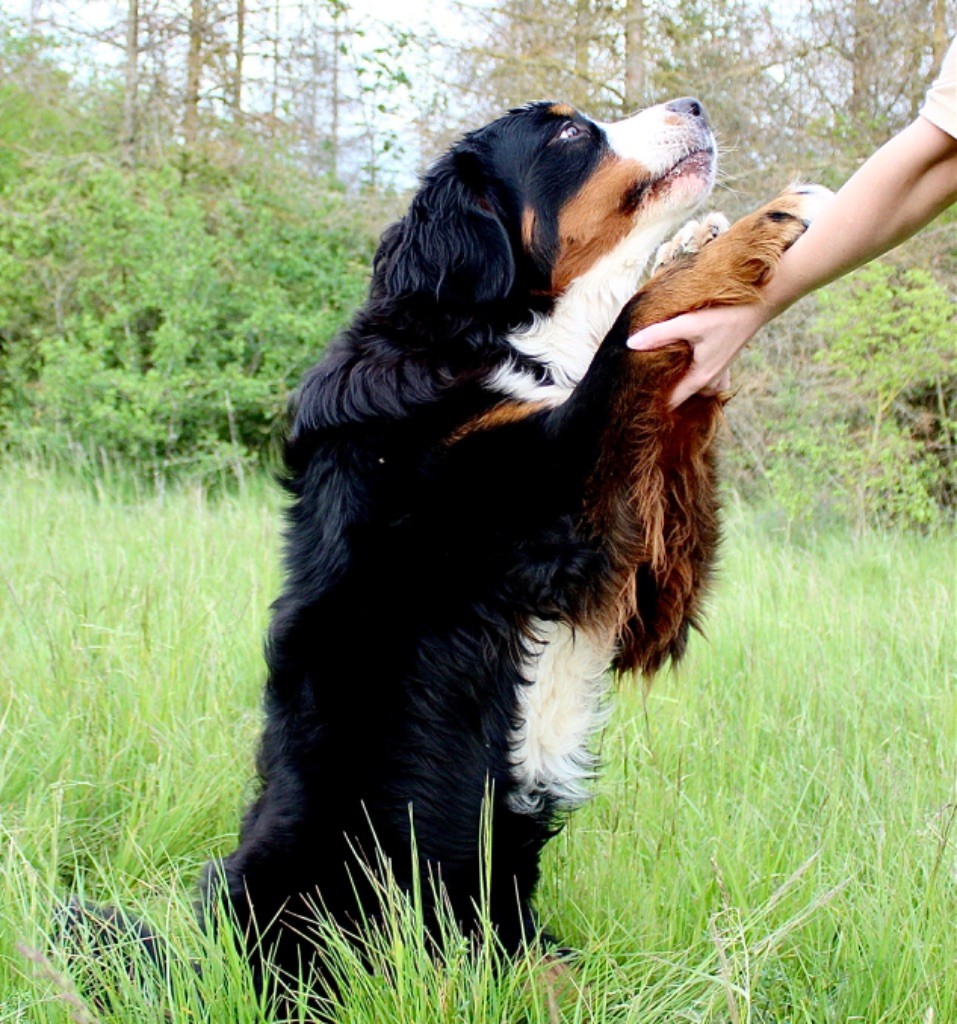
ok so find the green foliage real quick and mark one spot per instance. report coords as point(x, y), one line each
point(164, 318)
point(158, 316)
point(161, 316)
point(43, 110)
point(876, 443)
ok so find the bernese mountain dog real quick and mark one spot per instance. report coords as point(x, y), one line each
point(492, 506)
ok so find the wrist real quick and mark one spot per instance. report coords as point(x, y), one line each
point(755, 317)
point(774, 301)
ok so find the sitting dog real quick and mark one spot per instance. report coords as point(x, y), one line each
point(491, 505)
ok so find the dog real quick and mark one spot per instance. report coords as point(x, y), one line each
point(491, 505)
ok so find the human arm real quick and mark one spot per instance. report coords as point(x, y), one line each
point(898, 190)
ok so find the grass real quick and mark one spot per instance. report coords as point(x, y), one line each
point(772, 839)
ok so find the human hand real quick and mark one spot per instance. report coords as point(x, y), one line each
point(716, 334)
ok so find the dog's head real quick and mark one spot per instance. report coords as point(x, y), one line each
point(543, 197)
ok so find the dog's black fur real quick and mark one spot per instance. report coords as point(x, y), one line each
point(438, 523)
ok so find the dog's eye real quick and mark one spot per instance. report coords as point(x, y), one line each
point(570, 131)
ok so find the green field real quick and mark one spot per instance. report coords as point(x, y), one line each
point(772, 839)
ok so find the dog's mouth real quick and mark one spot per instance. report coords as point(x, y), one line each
point(698, 163)
point(688, 180)
point(693, 173)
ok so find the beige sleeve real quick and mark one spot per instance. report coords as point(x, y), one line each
point(940, 107)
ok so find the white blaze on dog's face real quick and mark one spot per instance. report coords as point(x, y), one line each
point(646, 174)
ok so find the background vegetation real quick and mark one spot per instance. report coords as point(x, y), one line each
point(190, 193)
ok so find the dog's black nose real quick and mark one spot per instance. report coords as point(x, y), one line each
point(688, 105)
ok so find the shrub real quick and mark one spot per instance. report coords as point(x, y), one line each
point(162, 318)
point(876, 444)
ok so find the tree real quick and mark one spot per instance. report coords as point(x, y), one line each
point(131, 82)
point(194, 70)
point(634, 31)
point(240, 53)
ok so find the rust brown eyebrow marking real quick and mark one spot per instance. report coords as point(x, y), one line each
point(498, 416)
point(528, 228)
point(562, 110)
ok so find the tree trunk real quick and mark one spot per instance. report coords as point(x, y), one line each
point(274, 101)
point(634, 54)
point(237, 100)
point(582, 37)
point(940, 37)
point(335, 97)
point(131, 83)
point(860, 61)
point(194, 67)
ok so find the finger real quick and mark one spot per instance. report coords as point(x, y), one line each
point(692, 385)
point(717, 384)
point(686, 387)
point(657, 336)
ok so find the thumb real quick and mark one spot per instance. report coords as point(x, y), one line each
point(658, 335)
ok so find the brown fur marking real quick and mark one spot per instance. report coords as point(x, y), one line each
point(562, 110)
point(528, 228)
point(498, 416)
point(729, 271)
point(593, 221)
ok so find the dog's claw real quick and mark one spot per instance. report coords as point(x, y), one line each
point(689, 239)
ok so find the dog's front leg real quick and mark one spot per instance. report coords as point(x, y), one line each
point(649, 499)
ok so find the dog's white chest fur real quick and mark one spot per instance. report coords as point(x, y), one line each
point(560, 708)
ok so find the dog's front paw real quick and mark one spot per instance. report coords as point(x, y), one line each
point(804, 201)
point(690, 239)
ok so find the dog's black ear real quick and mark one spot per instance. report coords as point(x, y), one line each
point(451, 247)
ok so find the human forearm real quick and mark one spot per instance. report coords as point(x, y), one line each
point(897, 191)
point(902, 187)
